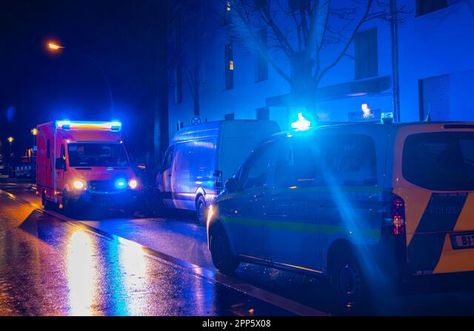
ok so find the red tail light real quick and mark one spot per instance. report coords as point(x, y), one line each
point(396, 219)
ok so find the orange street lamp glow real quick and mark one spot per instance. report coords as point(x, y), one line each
point(54, 46)
point(10, 139)
point(34, 131)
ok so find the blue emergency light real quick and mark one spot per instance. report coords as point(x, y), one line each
point(302, 124)
point(121, 183)
point(89, 125)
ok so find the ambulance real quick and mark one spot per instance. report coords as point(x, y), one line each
point(81, 164)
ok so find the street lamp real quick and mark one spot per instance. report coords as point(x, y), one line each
point(10, 145)
point(34, 132)
point(55, 48)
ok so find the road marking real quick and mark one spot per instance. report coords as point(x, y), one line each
point(228, 281)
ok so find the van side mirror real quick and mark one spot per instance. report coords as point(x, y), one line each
point(232, 185)
point(60, 164)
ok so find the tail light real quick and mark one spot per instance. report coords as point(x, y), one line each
point(396, 218)
point(218, 184)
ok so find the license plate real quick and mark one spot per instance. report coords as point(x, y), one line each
point(460, 241)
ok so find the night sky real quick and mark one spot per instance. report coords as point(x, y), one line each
point(106, 42)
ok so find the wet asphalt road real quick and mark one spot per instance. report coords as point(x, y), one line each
point(111, 265)
point(50, 267)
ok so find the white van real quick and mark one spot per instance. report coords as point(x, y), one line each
point(202, 157)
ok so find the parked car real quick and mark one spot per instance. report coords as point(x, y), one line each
point(201, 157)
point(367, 205)
point(84, 163)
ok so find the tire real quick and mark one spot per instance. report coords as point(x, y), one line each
point(69, 206)
point(221, 253)
point(201, 210)
point(47, 205)
point(348, 280)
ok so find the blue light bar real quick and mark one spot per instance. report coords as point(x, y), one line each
point(89, 125)
point(302, 124)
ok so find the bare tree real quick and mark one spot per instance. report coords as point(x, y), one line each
point(189, 33)
point(310, 36)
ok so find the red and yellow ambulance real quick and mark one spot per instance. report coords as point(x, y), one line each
point(84, 163)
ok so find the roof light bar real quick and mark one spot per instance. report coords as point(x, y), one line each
point(88, 125)
point(302, 124)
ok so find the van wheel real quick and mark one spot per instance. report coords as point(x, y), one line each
point(201, 209)
point(69, 207)
point(221, 253)
point(47, 205)
point(348, 280)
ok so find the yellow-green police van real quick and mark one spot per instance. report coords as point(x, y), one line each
point(363, 204)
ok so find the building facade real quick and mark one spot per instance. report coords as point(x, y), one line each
point(425, 51)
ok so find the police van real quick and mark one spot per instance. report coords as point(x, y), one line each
point(363, 204)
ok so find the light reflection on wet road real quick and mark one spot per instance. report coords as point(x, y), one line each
point(49, 267)
point(72, 270)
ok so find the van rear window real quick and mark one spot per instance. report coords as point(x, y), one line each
point(442, 161)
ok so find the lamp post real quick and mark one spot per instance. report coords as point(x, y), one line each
point(54, 47)
point(10, 143)
point(10, 155)
point(34, 132)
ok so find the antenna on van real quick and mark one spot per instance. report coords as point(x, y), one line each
point(428, 117)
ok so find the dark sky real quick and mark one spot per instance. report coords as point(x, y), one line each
point(106, 42)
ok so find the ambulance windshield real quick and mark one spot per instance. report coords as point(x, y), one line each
point(97, 155)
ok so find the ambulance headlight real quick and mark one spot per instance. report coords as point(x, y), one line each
point(79, 184)
point(120, 183)
point(133, 184)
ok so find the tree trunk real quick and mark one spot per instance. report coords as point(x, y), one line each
point(161, 131)
point(303, 86)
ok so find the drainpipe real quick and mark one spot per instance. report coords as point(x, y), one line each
point(395, 67)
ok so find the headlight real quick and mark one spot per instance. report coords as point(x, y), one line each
point(120, 183)
point(133, 183)
point(79, 184)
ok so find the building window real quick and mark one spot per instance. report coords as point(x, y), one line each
point(229, 67)
point(262, 63)
point(366, 54)
point(434, 99)
point(427, 6)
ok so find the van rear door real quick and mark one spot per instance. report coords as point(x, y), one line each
point(435, 178)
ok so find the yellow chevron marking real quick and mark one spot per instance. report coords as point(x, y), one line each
point(465, 220)
point(454, 260)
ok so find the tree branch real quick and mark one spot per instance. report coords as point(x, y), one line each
point(320, 75)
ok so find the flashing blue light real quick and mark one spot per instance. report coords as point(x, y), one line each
point(89, 125)
point(65, 124)
point(116, 126)
point(121, 183)
point(302, 124)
